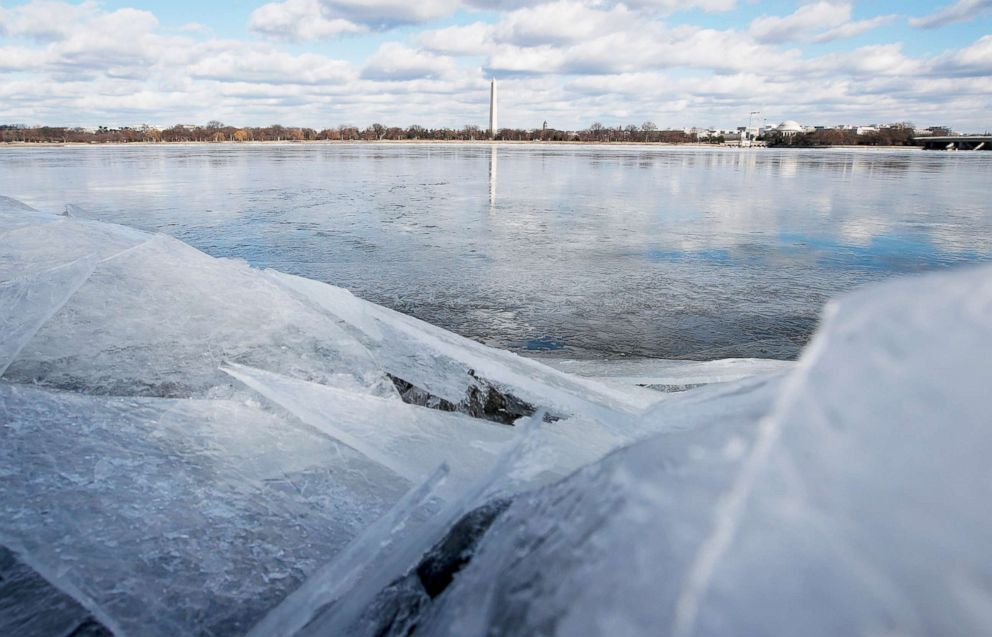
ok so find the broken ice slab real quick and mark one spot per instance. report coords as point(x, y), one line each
point(868, 501)
point(31, 607)
point(857, 507)
point(158, 320)
point(329, 583)
point(15, 214)
point(668, 375)
point(448, 365)
point(410, 440)
point(413, 441)
point(40, 247)
point(28, 302)
point(177, 517)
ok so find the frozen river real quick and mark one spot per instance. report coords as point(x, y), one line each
point(584, 250)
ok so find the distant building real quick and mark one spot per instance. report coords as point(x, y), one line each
point(789, 128)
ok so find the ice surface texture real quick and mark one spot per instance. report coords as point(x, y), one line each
point(858, 506)
point(192, 446)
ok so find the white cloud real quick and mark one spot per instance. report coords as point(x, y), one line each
point(45, 20)
point(271, 67)
point(563, 21)
point(960, 11)
point(394, 61)
point(299, 20)
point(974, 60)
point(380, 14)
point(821, 21)
point(470, 39)
point(571, 62)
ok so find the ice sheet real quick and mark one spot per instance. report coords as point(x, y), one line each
point(28, 302)
point(177, 516)
point(40, 247)
point(158, 320)
point(15, 214)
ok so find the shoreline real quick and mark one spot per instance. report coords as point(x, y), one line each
point(445, 142)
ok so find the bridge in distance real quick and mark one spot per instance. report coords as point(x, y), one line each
point(956, 142)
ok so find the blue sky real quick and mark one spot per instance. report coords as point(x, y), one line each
point(322, 63)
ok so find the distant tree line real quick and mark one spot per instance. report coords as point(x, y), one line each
point(648, 132)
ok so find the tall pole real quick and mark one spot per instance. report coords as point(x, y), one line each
point(493, 104)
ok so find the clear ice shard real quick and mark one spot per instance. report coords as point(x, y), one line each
point(335, 579)
point(177, 517)
point(159, 318)
point(856, 505)
point(27, 303)
point(410, 440)
point(446, 364)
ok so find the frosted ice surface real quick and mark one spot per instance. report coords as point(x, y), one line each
point(158, 320)
point(439, 361)
point(857, 507)
point(177, 517)
point(26, 303)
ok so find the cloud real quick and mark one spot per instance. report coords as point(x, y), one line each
point(394, 61)
point(383, 14)
point(45, 20)
point(470, 39)
point(571, 62)
point(299, 20)
point(960, 11)
point(563, 21)
point(814, 22)
point(271, 67)
point(972, 61)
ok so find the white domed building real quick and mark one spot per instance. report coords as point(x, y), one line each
point(790, 127)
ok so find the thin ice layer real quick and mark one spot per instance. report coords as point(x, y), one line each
point(39, 247)
point(28, 302)
point(440, 361)
point(159, 319)
point(15, 214)
point(858, 507)
point(177, 517)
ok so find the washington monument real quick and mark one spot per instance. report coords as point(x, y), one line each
point(493, 99)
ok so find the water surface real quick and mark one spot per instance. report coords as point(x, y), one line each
point(580, 250)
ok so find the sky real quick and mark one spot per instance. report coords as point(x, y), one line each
point(325, 63)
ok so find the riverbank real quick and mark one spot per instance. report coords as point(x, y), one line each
point(437, 142)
